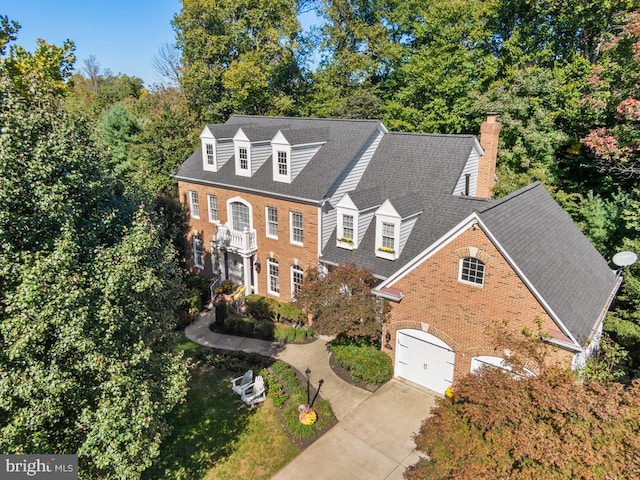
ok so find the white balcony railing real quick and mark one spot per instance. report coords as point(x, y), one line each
point(242, 242)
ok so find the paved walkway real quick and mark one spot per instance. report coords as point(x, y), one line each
point(372, 439)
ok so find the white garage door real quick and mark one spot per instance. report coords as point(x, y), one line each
point(424, 359)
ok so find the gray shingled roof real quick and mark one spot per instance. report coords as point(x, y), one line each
point(345, 140)
point(542, 240)
point(260, 133)
point(419, 169)
point(303, 136)
point(222, 131)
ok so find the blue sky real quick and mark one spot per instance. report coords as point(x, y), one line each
point(123, 35)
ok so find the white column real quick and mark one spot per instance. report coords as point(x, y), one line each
point(246, 264)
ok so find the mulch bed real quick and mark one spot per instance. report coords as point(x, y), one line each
point(345, 375)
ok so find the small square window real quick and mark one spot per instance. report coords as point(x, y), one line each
point(472, 271)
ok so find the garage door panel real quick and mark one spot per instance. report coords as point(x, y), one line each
point(420, 361)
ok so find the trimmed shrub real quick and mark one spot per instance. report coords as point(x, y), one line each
point(239, 324)
point(365, 363)
point(291, 334)
point(262, 308)
point(291, 313)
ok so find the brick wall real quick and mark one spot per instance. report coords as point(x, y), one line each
point(286, 253)
point(458, 313)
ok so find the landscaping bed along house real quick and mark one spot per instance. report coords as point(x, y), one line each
point(260, 317)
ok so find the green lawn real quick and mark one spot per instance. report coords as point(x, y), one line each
point(216, 436)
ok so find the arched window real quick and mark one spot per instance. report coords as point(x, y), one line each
point(472, 271)
point(240, 216)
point(273, 276)
point(297, 276)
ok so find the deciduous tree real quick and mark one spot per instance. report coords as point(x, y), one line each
point(342, 303)
point(498, 425)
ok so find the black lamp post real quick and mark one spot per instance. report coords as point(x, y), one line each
point(307, 372)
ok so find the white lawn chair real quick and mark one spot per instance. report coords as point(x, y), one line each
point(238, 384)
point(254, 393)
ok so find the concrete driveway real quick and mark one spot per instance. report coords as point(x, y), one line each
point(372, 442)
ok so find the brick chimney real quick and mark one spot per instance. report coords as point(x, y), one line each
point(489, 134)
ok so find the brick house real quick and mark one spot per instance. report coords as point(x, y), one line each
point(269, 198)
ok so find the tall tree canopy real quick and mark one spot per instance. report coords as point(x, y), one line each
point(239, 56)
point(88, 289)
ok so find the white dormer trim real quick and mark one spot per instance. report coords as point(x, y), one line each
point(280, 148)
point(242, 153)
point(387, 241)
point(346, 207)
point(209, 160)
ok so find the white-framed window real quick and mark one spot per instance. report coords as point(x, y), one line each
point(297, 231)
point(210, 155)
point(240, 216)
point(297, 277)
point(472, 271)
point(388, 236)
point(273, 276)
point(272, 222)
point(347, 227)
point(283, 163)
point(212, 201)
point(198, 254)
point(193, 204)
point(243, 157)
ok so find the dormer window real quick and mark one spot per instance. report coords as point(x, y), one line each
point(243, 158)
point(209, 149)
point(347, 228)
point(283, 164)
point(388, 237)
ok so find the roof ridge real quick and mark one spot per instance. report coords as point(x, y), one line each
point(513, 195)
point(358, 120)
point(426, 134)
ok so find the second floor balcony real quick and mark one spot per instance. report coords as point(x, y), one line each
point(236, 240)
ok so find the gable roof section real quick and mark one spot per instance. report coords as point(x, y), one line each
point(345, 141)
point(559, 261)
